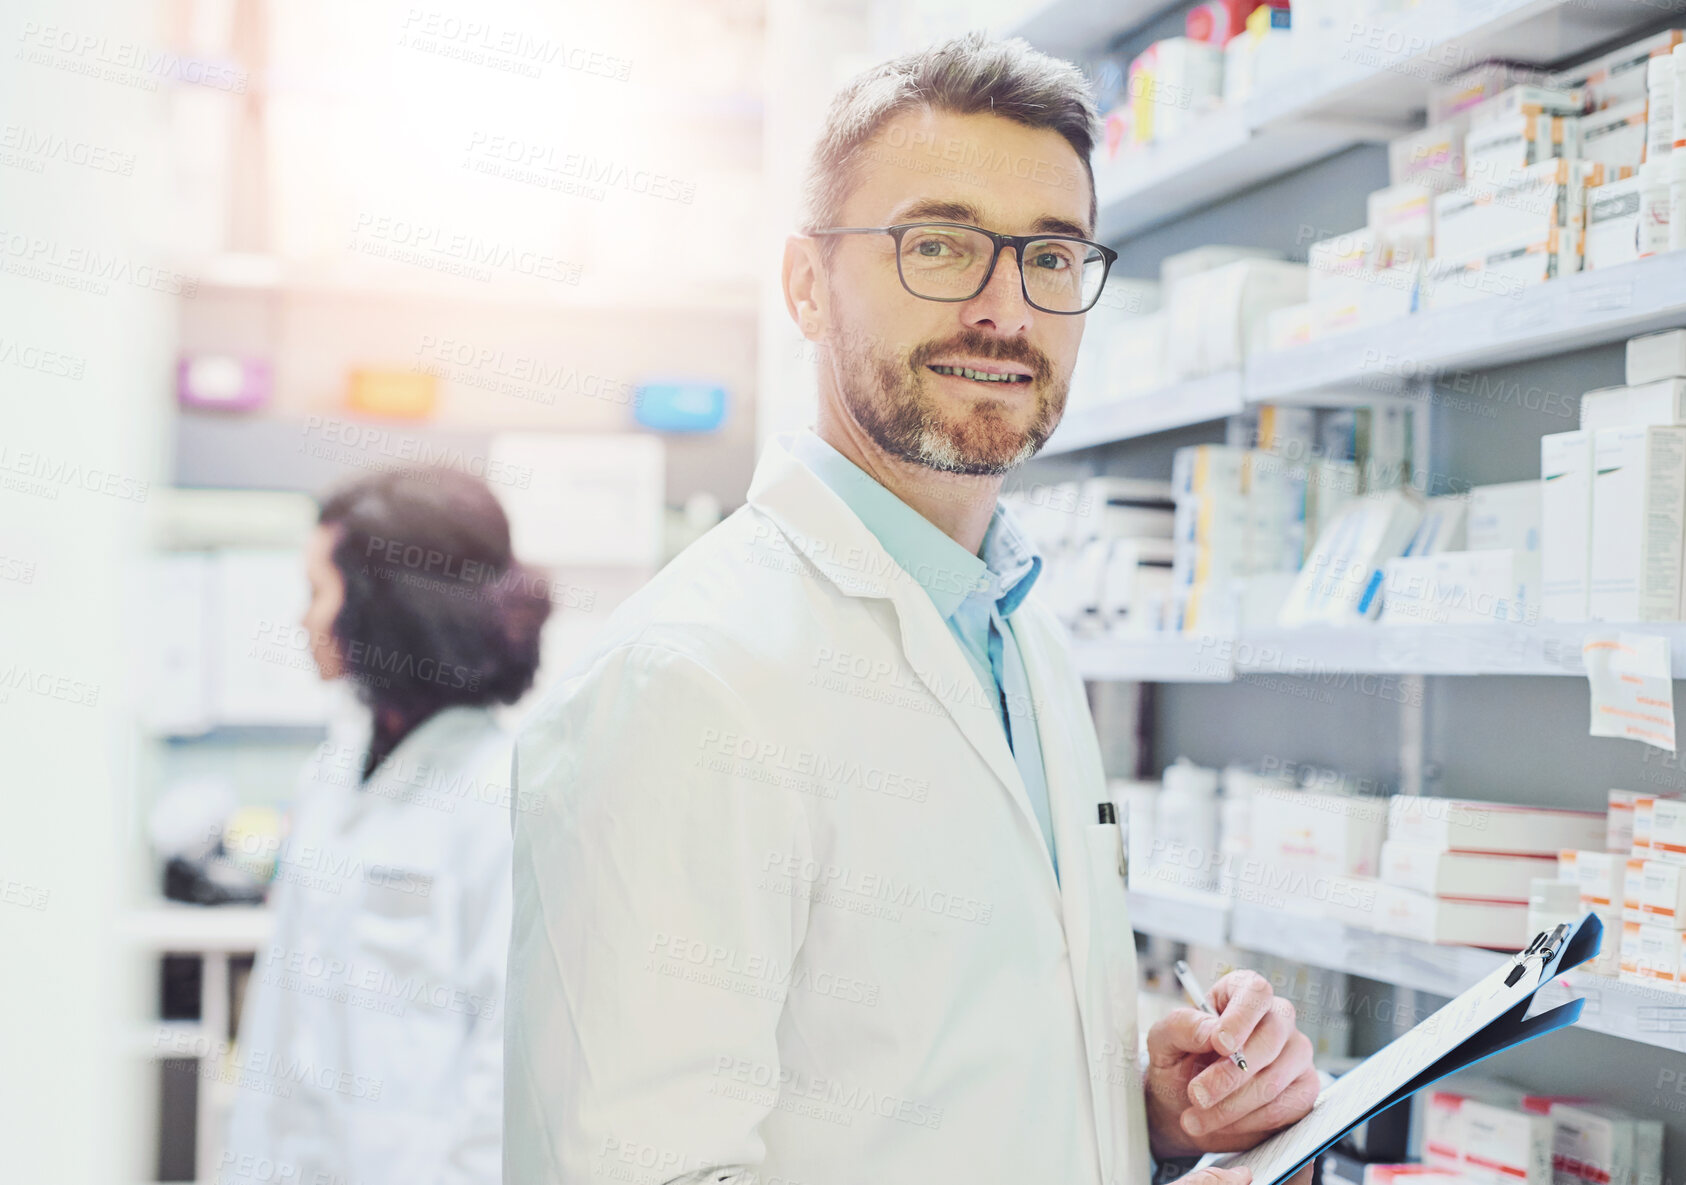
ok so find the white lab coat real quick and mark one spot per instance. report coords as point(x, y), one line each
point(371, 1040)
point(786, 912)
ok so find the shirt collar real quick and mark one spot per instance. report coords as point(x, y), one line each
point(947, 572)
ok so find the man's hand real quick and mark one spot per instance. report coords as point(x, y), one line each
point(1216, 1176)
point(1198, 1100)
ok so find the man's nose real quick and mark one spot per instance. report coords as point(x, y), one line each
point(1001, 304)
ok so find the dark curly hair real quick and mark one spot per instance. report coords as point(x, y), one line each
point(438, 612)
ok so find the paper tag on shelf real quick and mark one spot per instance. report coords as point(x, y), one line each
point(1632, 688)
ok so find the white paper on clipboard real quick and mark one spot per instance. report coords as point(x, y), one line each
point(1486, 1018)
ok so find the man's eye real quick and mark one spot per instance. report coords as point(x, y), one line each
point(1052, 260)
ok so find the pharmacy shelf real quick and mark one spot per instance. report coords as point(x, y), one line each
point(1571, 313)
point(195, 929)
point(1219, 155)
point(1551, 648)
point(1368, 86)
point(1076, 28)
point(1380, 363)
point(249, 274)
point(1194, 402)
point(1613, 1007)
point(1185, 915)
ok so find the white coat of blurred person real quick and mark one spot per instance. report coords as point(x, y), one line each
point(371, 1041)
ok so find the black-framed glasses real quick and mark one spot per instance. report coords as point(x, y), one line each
point(952, 261)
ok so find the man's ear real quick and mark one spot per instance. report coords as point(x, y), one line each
point(804, 286)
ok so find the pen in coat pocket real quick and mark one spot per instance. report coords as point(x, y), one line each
point(1191, 985)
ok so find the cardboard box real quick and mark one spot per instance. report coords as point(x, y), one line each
point(1432, 157)
point(1402, 219)
point(1341, 581)
point(1633, 888)
point(1655, 356)
point(1598, 1145)
point(1518, 99)
point(1505, 271)
point(1668, 830)
point(1662, 894)
point(1504, 1144)
point(1615, 136)
point(1638, 523)
point(1440, 873)
point(1599, 876)
point(1454, 588)
point(1409, 914)
point(1216, 318)
point(1332, 263)
point(1442, 1115)
point(1651, 956)
point(1322, 834)
point(1526, 206)
point(1608, 961)
point(1566, 466)
point(1617, 77)
point(1497, 151)
point(1658, 404)
point(1613, 225)
point(1467, 825)
point(1508, 516)
point(1618, 821)
point(1484, 80)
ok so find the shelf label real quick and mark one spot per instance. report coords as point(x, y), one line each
point(1632, 691)
point(1607, 298)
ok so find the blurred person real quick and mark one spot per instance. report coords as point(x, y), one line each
point(371, 1040)
point(821, 890)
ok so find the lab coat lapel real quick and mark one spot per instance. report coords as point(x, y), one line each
point(820, 526)
point(1072, 809)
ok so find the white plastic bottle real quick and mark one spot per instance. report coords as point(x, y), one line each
point(1677, 201)
point(1659, 115)
point(1678, 57)
point(1655, 215)
point(1186, 827)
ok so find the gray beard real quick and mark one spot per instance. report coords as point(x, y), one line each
point(886, 397)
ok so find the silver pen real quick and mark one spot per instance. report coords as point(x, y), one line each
point(1196, 993)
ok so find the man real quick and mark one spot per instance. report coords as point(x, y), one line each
point(820, 890)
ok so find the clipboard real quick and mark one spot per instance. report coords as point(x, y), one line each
point(1491, 1016)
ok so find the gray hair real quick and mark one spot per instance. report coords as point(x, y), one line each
point(966, 75)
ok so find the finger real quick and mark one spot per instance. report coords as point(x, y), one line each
point(1213, 1175)
point(1221, 1078)
point(1242, 998)
point(1280, 1095)
point(1182, 1031)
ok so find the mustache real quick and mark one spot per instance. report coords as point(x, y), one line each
point(987, 346)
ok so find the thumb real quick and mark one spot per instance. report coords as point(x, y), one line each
point(1182, 1031)
point(1213, 1175)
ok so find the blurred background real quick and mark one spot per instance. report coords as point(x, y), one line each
point(251, 250)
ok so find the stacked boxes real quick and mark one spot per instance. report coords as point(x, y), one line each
point(1456, 870)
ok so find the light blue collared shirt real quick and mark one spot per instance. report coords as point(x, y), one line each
point(975, 596)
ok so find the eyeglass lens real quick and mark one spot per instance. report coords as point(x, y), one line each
point(949, 263)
